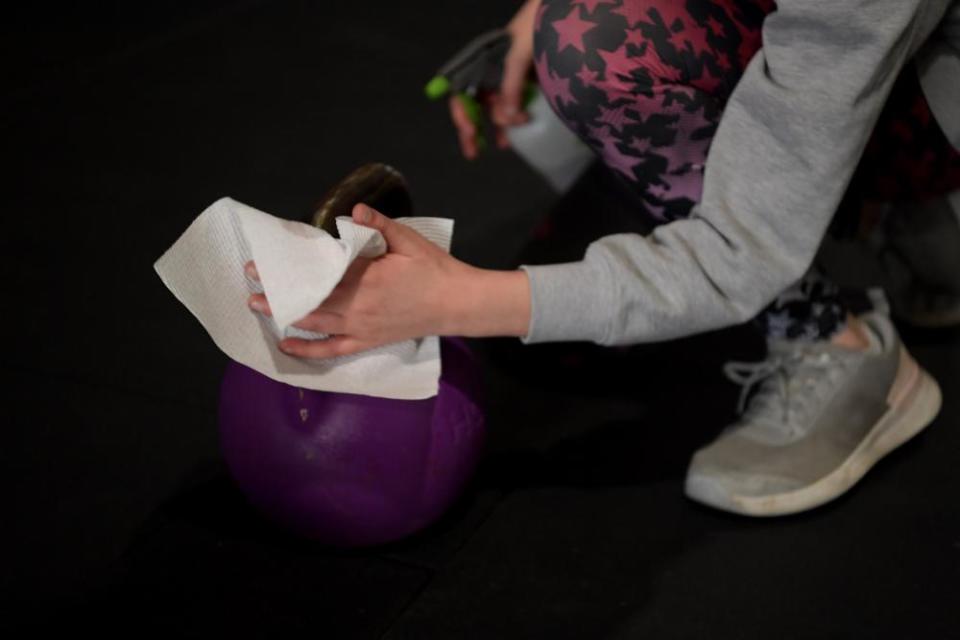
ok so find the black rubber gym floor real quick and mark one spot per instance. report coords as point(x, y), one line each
point(121, 123)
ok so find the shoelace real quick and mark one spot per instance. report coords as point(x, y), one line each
point(783, 367)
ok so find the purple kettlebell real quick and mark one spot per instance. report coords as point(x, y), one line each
point(350, 470)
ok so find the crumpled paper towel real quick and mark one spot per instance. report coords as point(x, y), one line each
point(299, 266)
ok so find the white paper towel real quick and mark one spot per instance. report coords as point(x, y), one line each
point(299, 266)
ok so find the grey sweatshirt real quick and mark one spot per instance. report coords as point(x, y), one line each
point(786, 148)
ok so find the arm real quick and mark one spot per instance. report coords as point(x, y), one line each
point(415, 289)
point(506, 106)
point(786, 148)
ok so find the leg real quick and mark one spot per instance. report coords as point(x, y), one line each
point(810, 310)
point(920, 253)
point(644, 82)
point(825, 411)
point(912, 171)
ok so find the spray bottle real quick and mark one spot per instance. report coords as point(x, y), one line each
point(545, 143)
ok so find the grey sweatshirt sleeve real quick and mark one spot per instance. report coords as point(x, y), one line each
point(787, 145)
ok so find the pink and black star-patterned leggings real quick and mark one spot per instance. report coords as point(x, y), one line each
point(644, 83)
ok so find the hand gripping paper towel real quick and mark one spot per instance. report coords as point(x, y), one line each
point(299, 266)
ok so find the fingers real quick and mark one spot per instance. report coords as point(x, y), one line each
point(501, 138)
point(321, 322)
point(258, 302)
point(336, 302)
point(400, 238)
point(466, 130)
point(329, 348)
point(318, 322)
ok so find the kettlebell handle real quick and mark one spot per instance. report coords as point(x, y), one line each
point(375, 184)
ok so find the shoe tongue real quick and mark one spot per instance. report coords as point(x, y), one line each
point(792, 348)
point(781, 347)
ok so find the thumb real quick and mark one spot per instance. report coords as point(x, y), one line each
point(400, 238)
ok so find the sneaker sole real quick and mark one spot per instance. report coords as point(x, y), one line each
point(919, 407)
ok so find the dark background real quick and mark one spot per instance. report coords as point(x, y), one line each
point(121, 122)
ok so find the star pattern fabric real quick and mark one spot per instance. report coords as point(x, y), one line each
point(612, 156)
point(616, 63)
point(673, 15)
point(587, 75)
point(616, 117)
point(570, 30)
point(557, 89)
point(632, 12)
point(810, 310)
point(638, 80)
point(635, 37)
point(591, 5)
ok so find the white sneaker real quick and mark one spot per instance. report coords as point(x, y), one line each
point(821, 417)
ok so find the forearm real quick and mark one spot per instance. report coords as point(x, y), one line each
point(521, 28)
point(486, 303)
point(525, 15)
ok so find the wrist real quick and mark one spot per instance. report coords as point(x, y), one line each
point(487, 303)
